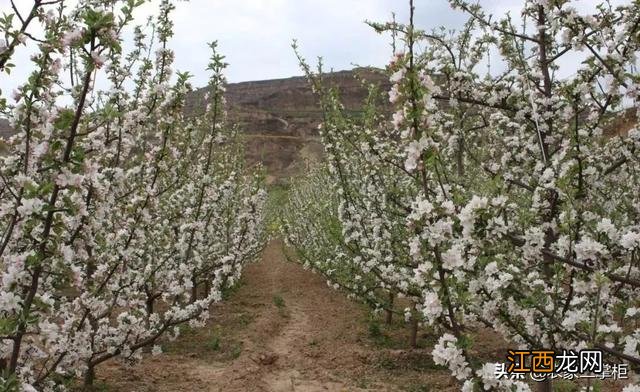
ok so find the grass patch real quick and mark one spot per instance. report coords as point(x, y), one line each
point(186, 330)
point(376, 333)
point(101, 386)
point(224, 347)
point(374, 328)
point(227, 292)
point(397, 334)
point(278, 301)
point(236, 350)
point(245, 319)
point(214, 343)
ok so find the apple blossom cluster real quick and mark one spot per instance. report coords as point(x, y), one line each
point(121, 217)
point(311, 225)
point(506, 199)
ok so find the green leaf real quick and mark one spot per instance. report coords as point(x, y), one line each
point(64, 120)
point(7, 325)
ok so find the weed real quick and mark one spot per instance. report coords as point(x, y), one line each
point(417, 388)
point(278, 301)
point(236, 350)
point(375, 331)
point(245, 319)
point(228, 291)
point(214, 343)
point(101, 386)
point(186, 329)
point(380, 338)
point(388, 363)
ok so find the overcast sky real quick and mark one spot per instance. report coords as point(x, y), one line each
point(256, 35)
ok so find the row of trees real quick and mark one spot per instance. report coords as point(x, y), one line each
point(503, 197)
point(120, 218)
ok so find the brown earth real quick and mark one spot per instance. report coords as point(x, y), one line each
point(283, 329)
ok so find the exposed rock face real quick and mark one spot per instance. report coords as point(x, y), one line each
point(280, 117)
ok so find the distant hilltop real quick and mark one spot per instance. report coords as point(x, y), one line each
point(280, 117)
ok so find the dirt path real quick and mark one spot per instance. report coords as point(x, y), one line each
point(283, 329)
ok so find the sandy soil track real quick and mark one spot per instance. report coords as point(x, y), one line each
point(283, 329)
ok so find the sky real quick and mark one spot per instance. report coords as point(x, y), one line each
point(256, 35)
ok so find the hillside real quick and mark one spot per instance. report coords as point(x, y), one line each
point(280, 117)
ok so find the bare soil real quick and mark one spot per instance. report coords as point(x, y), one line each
point(283, 329)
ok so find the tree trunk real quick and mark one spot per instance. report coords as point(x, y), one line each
point(194, 289)
point(89, 377)
point(460, 157)
point(149, 304)
point(414, 332)
point(389, 315)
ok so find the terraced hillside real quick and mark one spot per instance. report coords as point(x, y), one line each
point(280, 117)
